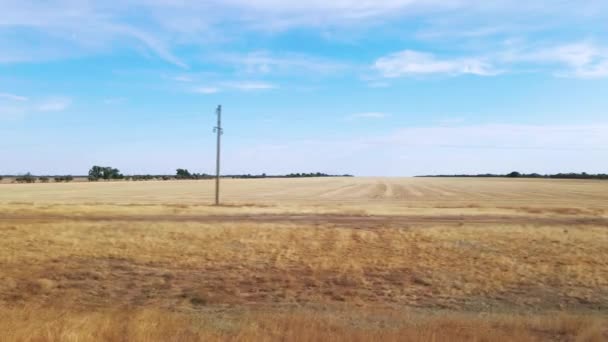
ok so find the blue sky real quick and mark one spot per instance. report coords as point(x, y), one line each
point(395, 88)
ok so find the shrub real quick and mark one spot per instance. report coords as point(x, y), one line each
point(66, 179)
point(26, 178)
point(514, 174)
point(43, 179)
point(142, 177)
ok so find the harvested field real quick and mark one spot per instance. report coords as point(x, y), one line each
point(305, 259)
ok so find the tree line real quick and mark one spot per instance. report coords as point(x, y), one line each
point(107, 173)
point(290, 175)
point(29, 178)
point(516, 174)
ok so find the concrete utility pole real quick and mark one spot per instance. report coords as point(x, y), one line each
point(218, 129)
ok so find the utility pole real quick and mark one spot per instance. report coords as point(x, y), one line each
point(218, 129)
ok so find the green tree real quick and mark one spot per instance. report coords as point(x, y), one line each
point(183, 174)
point(104, 172)
point(26, 178)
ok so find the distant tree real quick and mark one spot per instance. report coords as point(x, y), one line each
point(26, 178)
point(95, 173)
point(514, 174)
point(183, 174)
point(66, 179)
point(1, 178)
point(43, 179)
point(99, 172)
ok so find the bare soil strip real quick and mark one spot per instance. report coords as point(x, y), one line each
point(354, 221)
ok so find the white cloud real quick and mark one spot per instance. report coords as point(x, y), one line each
point(583, 59)
point(281, 15)
point(250, 85)
point(369, 115)
point(159, 47)
point(57, 104)
point(263, 62)
point(412, 63)
point(94, 26)
point(235, 86)
point(66, 29)
point(13, 97)
point(206, 90)
point(183, 78)
point(17, 107)
point(578, 60)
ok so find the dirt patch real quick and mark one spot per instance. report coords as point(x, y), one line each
point(353, 221)
point(98, 282)
point(558, 211)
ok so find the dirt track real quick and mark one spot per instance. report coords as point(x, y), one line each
point(355, 221)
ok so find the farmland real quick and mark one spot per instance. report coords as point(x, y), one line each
point(305, 259)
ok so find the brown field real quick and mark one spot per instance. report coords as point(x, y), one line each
point(340, 259)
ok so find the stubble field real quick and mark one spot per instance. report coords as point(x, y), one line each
point(305, 260)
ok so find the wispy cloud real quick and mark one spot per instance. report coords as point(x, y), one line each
point(412, 63)
point(56, 104)
point(160, 48)
point(250, 85)
point(66, 28)
point(583, 59)
point(368, 115)
point(264, 62)
point(206, 90)
point(578, 60)
point(13, 97)
point(115, 100)
point(183, 78)
point(246, 86)
point(17, 107)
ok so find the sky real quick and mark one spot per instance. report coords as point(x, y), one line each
point(370, 88)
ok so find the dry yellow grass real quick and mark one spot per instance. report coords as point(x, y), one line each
point(461, 259)
point(35, 324)
point(373, 195)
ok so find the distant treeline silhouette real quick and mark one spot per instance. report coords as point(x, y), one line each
point(291, 175)
point(107, 173)
point(516, 174)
